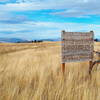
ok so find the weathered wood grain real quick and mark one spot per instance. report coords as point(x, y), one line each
point(77, 46)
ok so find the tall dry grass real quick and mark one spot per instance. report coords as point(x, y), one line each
point(32, 72)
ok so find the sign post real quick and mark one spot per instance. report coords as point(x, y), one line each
point(63, 68)
point(77, 47)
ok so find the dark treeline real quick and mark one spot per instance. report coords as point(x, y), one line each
point(97, 40)
point(33, 41)
point(38, 41)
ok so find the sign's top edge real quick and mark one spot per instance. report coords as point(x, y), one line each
point(76, 32)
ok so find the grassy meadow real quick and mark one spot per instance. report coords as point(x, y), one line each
point(32, 71)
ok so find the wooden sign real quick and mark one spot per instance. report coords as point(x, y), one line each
point(77, 46)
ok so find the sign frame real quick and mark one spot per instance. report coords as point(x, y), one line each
point(91, 33)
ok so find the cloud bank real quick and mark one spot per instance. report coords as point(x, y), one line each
point(45, 18)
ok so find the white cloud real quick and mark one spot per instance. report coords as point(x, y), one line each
point(4, 1)
point(73, 8)
point(45, 29)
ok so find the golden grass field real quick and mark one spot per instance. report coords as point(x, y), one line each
point(32, 71)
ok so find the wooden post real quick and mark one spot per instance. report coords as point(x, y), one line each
point(63, 68)
point(90, 67)
point(91, 62)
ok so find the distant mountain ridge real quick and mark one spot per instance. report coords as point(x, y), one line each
point(56, 39)
point(15, 40)
point(18, 40)
point(10, 40)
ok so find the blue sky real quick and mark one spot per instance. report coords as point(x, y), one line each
point(37, 19)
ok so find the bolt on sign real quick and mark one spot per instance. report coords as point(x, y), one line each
point(77, 46)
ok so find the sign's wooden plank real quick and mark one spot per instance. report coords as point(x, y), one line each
point(77, 46)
